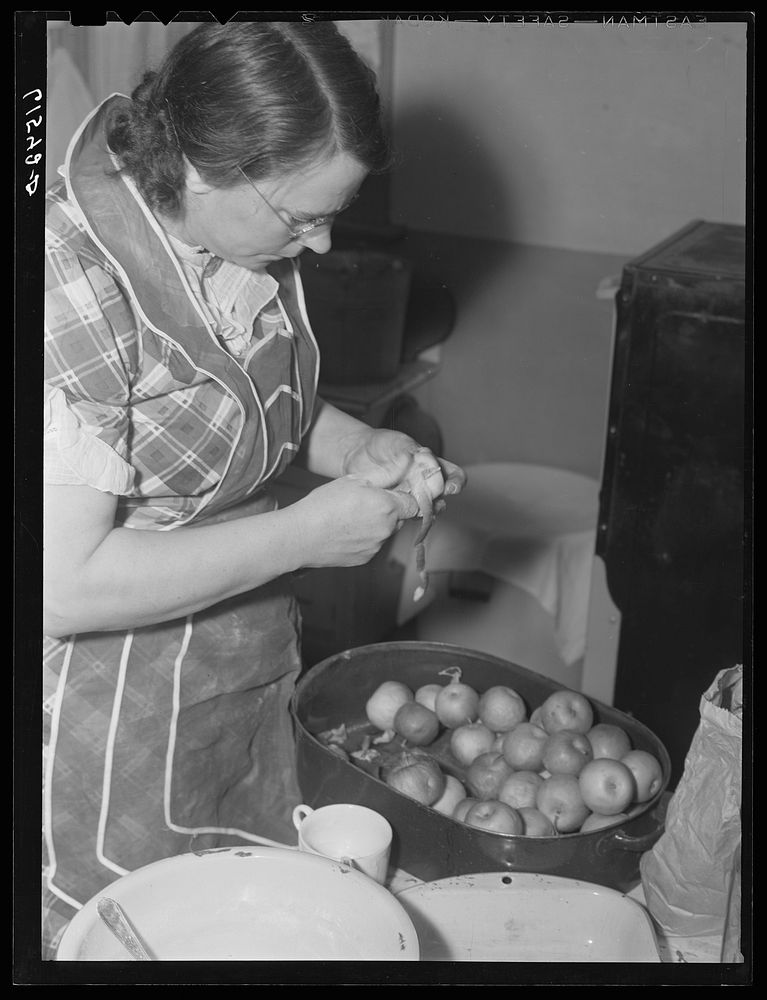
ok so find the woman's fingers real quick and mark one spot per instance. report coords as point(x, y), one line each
point(407, 505)
point(454, 477)
point(426, 475)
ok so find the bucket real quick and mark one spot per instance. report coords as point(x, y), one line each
point(428, 844)
point(357, 303)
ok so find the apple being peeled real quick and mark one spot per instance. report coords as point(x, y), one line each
point(607, 786)
point(520, 789)
point(416, 723)
point(418, 776)
point(536, 824)
point(501, 708)
point(382, 705)
point(427, 695)
point(647, 771)
point(560, 800)
point(453, 794)
point(496, 817)
point(469, 741)
point(608, 740)
point(566, 752)
point(596, 821)
point(486, 774)
point(566, 709)
point(456, 704)
point(523, 746)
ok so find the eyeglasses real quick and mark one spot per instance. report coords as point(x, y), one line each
point(294, 232)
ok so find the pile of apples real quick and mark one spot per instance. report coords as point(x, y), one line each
point(551, 773)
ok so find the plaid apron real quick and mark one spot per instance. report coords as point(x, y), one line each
point(178, 735)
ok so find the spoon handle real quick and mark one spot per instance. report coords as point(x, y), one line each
point(112, 914)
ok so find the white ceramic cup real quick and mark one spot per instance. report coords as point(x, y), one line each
point(353, 834)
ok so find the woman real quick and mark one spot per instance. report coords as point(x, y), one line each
point(181, 380)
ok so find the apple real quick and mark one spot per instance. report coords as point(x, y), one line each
point(416, 723)
point(523, 746)
point(418, 776)
point(462, 808)
point(501, 708)
point(456, 704)
point(453, 794)
point(536, 824)
point(608, 740)
point(520, 789)
point(535, 717)
point(486, 774)
point(566, 752)
point(382, 705)
point(559, 799)
point(467, 742)
point(647, 771)
point(596, 821)
point(565, 709)
point(607, 786)
point(427, 695)
point(496, 817)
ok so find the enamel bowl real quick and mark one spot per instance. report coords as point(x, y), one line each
point(248, 904)
point(524, 917)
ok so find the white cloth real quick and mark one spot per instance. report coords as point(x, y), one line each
point(73, 454)
point(528, 525)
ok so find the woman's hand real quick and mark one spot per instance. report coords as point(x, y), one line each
point(395, 461)
point(346, 521)
point(341, 445)
point(100, 577)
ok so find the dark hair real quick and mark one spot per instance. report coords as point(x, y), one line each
point(263, 96)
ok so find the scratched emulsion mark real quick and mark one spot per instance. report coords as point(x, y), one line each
point(514, 931)
point(470, 946)
point(402, 943)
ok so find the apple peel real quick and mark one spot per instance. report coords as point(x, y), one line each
point(339, 735)
point(425, 501)
point(385, 737)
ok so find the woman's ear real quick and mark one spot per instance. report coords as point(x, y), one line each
point(194, 182)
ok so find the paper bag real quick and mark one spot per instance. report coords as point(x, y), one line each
point(688, 874)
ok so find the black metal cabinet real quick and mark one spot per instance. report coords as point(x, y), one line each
point(671, 528)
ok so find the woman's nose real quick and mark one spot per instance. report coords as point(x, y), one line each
point(318, 240)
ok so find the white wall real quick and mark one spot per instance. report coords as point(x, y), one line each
point(588, 137)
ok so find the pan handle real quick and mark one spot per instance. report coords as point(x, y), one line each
point(621, 840)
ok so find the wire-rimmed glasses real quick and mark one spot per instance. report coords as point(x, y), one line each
point(294, 232)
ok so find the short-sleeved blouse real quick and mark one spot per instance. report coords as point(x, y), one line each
point(178, 390)
point(240, 305)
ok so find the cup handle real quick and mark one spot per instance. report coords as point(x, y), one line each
point(299, 815)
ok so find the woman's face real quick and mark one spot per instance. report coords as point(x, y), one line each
point(252, 226)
